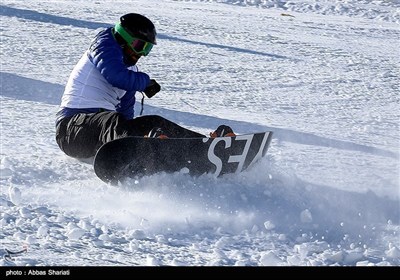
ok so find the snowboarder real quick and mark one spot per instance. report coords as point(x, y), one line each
point(98, 101)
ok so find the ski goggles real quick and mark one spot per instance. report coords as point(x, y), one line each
point(139, 46)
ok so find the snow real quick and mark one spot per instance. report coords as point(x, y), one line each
point(322, 75)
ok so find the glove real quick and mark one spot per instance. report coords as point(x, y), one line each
point(152, 88)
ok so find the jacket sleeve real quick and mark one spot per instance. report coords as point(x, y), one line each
point(126, 106)
point(108, 58)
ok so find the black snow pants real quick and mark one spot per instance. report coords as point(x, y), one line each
point(81, 135)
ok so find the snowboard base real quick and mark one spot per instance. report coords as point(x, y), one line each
point(139, 156)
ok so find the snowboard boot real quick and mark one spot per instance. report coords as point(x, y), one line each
point(157, 132)
point(222, 131)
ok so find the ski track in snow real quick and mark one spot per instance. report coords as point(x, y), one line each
point(324, 77)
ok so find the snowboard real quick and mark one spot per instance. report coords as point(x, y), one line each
point(133, 157)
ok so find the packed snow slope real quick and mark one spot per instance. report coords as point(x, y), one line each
point(322, 75)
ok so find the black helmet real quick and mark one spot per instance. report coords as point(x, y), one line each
point(138, 26)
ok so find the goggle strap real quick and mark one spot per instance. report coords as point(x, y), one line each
point(124, 34)
point(128, 38)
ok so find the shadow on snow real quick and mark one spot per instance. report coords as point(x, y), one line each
point(18, 87)
point(47, 18)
